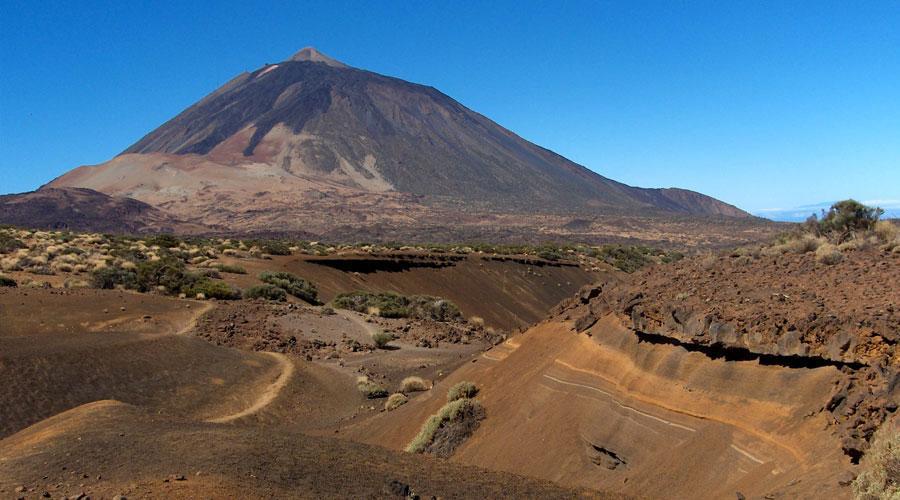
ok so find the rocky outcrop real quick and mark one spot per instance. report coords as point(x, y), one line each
point(784, 310)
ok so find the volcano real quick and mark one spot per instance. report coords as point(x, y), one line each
point(311, 144)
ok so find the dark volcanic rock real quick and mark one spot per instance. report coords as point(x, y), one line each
point(80, 209)
point(419, 139)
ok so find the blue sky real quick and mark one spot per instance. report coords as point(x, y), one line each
point(763, 104)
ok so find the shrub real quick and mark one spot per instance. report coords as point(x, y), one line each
point(230, 269)
point(550, 254)
point(845, 218)
point(392, 305)
point(209, 273)
point(414, 384)
point(111, 277)
point(370, 389)
point(880, 477)
point(453, 411)
point(7, 281)
point(828, 254)
point(212, 289)
point(267, 291)
point(395, 401)
point(382, 339)
point(9, 244)
point(625, 258)
point(275, 248)
point(804, 244)
point(163, 241)
point(294, 285)
point(886, 231)
point(168, 271)
point(462, 390)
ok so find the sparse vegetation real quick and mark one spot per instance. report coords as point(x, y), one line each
point(886, 231)
point(631, 258)
point(9, 244)
point(370, 389)
point(846, 227)
point(462, 390)
point(267, 292)
point(163, 241)
point(451, 425)
point(880, 477)
point(844, 220)
point(382, 339)
point(414, 384)
point(229, 269)
point(395, 401)
point(212, 289)
point(294, 285)
point(392, 305)
point(112, 277)
point(828, 254)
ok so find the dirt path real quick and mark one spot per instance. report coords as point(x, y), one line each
point(268, 395)
point(205, 307)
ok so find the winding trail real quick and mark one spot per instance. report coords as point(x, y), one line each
point(268, 395)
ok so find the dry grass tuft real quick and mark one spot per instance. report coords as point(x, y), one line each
point(395, 401)
point(880, 477)
point(414, 384)
point(828, 254)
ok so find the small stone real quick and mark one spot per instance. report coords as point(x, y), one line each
point(20, 489)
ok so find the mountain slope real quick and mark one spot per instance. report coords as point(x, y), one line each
point(80, 209)
point(313, 145)
point(314, 116)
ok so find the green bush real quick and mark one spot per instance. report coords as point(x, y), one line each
point(169, 272)
point(448, 413)
point(550, 254)
point(230, 269)
point(163, 241)
point(296, 286)
point(109, 277)
point(9, 244)
point(625, 258)
point(845, 218)
point(392, 305)
point(268, 292)
point(212, 289)
point(275, 248)
point(382, 339)
point(462, 390)
point(7, 281)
